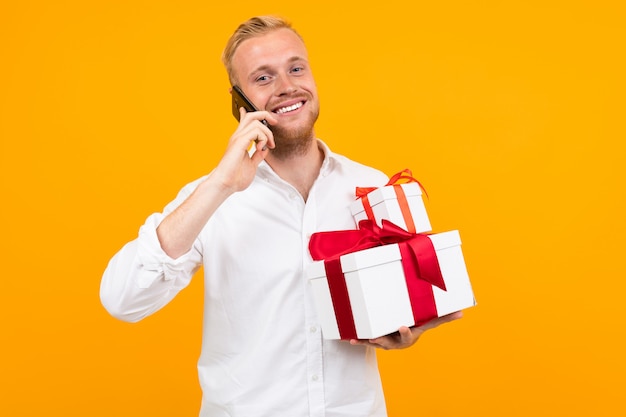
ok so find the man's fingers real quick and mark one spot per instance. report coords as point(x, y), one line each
point(406, 336)
point(441, 320)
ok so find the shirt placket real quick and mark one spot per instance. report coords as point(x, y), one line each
point(315, 362)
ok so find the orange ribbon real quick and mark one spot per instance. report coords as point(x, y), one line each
point(395, 181)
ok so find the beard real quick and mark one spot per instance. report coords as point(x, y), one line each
point(294, 141)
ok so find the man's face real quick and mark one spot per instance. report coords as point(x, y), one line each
point(273, 71)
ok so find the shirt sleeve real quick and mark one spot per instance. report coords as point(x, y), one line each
point(141, 278)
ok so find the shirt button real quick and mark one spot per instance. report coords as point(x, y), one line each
point(314, 377)
point(312, 329)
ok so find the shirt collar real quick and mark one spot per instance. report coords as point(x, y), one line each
point(330, 161)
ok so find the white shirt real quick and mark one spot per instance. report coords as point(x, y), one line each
point(263, 354)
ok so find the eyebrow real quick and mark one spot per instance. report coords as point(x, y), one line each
point(290, 60)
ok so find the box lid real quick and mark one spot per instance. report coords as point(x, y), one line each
point(385, 193)
point(381, 194)
point(445, 239)
point(379, 255)
point(315, 270)
point(356, 207)
point(370, 257)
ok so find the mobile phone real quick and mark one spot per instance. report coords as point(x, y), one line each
point(240, 100)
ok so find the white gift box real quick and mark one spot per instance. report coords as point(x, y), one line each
point(378, 292)
point(385, 205)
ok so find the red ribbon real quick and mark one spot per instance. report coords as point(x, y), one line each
point(419, 262)
point(340, 298)
point(405, 174)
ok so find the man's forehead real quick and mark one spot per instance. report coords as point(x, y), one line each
point(279, 47)
point(291, 60)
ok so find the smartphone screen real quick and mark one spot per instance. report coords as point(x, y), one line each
point(240, 100)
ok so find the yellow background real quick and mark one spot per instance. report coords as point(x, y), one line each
point(509, 112)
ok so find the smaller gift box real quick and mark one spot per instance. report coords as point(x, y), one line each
point(374, 291)
point(401, 204)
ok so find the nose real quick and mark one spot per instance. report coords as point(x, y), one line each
point(285, 85)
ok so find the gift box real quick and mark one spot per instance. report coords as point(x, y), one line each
point(374, 291)
point(401, 204)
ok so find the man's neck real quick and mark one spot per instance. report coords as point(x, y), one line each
point(299, 170)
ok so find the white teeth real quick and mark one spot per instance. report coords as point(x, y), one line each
point(289, 108)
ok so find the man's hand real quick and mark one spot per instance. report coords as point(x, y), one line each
point(237, 169)
point(405, 336)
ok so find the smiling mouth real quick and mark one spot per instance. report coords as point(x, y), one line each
point(288, 109)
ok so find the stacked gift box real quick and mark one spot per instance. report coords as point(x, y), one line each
point(390, 271)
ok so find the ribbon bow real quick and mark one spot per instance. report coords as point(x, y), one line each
point(393, 181)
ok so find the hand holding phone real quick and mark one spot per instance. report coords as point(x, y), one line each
point(240, 100)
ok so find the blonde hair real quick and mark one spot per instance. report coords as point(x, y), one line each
point(251, 28)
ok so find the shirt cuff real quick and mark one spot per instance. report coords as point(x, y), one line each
point(154, 261)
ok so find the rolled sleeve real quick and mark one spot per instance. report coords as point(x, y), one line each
point(155, 263)
point(141, 278)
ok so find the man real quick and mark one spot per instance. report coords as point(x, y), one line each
point(248, 223)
